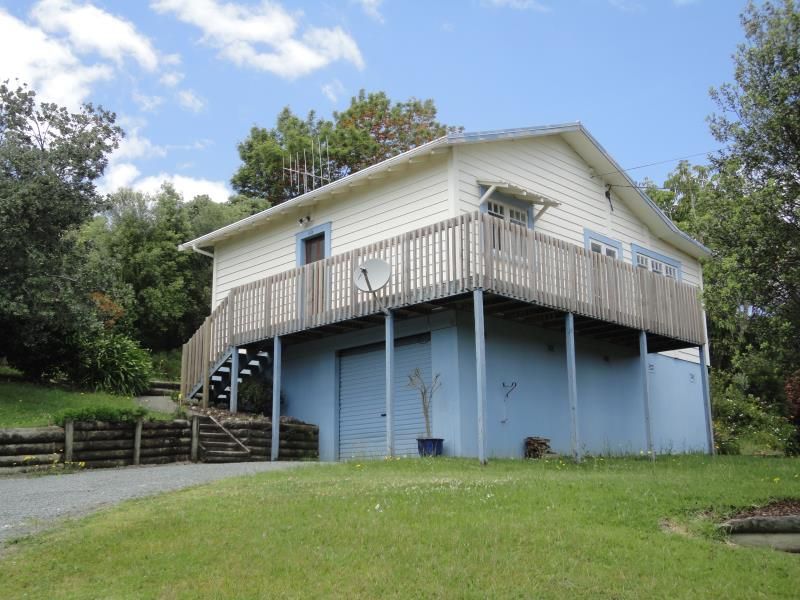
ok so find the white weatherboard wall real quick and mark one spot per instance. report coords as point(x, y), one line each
point(413, 197)
point(549, 166)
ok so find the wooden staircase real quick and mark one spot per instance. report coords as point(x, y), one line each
point(252, 361)
point(218, 445)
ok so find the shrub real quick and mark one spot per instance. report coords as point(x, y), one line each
point(167, 365)
point(743, 419)
point(100, 413)
point(113, 363)
point(255, 396)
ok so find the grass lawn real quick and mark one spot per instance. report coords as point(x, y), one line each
point(432, 528)
point(25, 404)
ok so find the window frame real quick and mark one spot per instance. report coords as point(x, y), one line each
point(300, 238)
point(590, 236)
point(665, 261)
point(509, 203)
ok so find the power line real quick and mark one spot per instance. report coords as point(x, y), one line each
point(660, 162)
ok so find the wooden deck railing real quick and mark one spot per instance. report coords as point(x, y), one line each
point(440, 260)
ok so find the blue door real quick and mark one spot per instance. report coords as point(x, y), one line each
point(362, 398)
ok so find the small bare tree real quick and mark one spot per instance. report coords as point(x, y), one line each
point(426, 392)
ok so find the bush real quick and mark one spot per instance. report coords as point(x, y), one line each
point(167, 365)
point(741, 419)
point(255, 396)
point(113, 363)
point(100, 413)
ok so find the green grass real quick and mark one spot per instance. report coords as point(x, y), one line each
point(426, 529)
point(25, 404)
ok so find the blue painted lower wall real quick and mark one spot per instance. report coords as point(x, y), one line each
point(533, 362)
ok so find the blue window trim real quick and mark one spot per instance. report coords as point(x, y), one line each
point(506, 199)
point(636, 249)
point(589, 235)
point(307, 233)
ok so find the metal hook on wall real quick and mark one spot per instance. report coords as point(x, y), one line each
point(509, 387)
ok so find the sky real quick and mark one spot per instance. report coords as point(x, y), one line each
point(189, 78)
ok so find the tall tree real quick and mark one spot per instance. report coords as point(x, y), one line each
point(49, 160)
point(370, 130)
point(756, 212)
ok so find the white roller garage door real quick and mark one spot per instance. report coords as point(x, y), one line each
point(362, 398)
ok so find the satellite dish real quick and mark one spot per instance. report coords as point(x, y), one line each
point(372, 275)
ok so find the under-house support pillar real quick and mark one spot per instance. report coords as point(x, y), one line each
point(643, 369)
point(276, 397)
point(389, 383)
point(706, 398)
point(233, 404)
point(572, 388)
point(480, 371)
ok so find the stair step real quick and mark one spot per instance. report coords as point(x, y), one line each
point(240, 454)
point(221, 445)
point(213, 437)
point(225, 459)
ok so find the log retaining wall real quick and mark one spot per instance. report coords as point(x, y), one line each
point(94, 444)
point(299, 441)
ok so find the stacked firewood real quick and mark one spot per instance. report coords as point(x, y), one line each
point(536, 447)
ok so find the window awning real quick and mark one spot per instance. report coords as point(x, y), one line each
point(518, 192)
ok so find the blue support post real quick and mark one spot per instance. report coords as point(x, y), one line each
point(648, 427)
point(706, 399)
point(480, 371)
point(572, 388)
point(389, 383)
point(233, 402)
point(276, 398)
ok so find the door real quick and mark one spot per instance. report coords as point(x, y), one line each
point(362, 398)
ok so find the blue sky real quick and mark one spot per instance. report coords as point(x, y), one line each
point(188, 78)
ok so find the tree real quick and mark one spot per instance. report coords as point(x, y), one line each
point(163, 294)
point(370, 130)
point(755, 216)
point(49, 160)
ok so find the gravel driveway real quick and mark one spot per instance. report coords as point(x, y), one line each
point(28, 504)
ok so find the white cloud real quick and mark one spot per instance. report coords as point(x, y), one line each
point(517, 5)
point(333, 90)
point(90, 29)
point(147, 103)
point(118, 175)
point(264, 37)
point(171, 78)
point(127, 175)
point(134, 145)
point(372, 8)
point(47, 64)
point(188, 187)
point(191, 101)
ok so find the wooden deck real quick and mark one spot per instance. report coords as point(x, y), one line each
point(442, 260)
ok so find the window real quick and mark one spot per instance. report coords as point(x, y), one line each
point(313, 244)
point(601, 244)
point(314, 248)
point(656, 263)
point(509, 214)
point(601, 248)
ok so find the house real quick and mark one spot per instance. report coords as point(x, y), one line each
point(550, 294)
